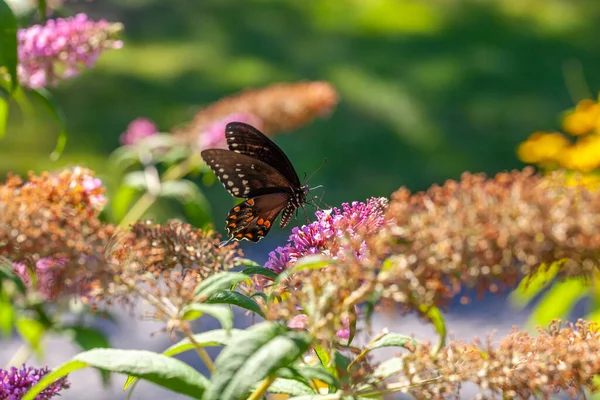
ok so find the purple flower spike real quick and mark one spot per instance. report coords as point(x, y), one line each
point(323, 236)
point(15, 382)
point(62, 48)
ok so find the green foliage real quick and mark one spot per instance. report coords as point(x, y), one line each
point(156, 368)
point(8, 44)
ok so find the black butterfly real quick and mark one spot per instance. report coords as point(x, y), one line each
point(255, 169)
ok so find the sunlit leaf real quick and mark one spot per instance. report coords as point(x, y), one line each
point(558, 301)
point(531, 286)
point(437, 319)
point(3, 115)
point(393, 340)
point(89, 338)
point(289, 386)
point(31, 331)
point(222, 313)
point(164, 371)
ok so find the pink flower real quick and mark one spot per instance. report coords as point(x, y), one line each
point(138, 129)
point(214, 135)
point(47, 275)
point(62, 48)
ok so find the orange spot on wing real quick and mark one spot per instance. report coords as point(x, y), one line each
point(251, 202)
point(236, 209)
point(239, 236)
point(260, 233)
point(233, 216)
point(232, 225)
point(250, 218)
point(249, 235)
point(260, 221)
point(267, 224)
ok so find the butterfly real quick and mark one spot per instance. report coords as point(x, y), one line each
point(256, 169)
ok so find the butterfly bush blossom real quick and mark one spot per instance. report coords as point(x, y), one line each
point(137, 130)
point(14, 383)
point(212, 136)
point(332, 233)
point(62, 48)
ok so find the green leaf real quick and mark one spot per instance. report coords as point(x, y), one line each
point(312, 262)
point(89, 338)
point(121, 201)
point(217, 337)
point(217, 282)
point(221, 312)
point(31, 331)
point(531, 286)
point(388, 368)
point(3, 115)
point(437, 318)
point(558, 301)
point(164, 371)
point(237, 299)
point(7, 314)
point(289, 386)
point(47, 100)
point(258, 270)
point(393, 340)
point(8, 274)
point(135, 180)
point(317, 373)
point(252, 356)
point(8, 43)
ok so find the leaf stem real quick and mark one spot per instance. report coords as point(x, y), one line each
point(201, 351)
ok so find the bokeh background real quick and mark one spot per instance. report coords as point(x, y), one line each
point(428, 89)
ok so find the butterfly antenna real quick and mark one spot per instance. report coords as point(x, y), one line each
point(225, 242)
point(317, 170)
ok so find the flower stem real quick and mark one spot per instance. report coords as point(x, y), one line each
point(262, 388)
point(201, 351)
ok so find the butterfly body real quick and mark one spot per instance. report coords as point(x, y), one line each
point(255, 169)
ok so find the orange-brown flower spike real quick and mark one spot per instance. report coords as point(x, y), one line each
point(280, 107)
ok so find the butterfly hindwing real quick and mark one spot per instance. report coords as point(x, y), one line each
point(244, 176)
point(245, 139)
point(252, 219)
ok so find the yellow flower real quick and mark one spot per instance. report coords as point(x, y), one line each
point(542, 147)
point(584, 119)
point(584, 156)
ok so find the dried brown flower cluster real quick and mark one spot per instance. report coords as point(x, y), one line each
point(49, 228)
point(485, 233)
point(280, 107)
point(520, 366)
point(52, 220)
point(162, 263)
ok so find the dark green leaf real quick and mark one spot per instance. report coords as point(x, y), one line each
point(43, 9)
point(237, 299)
point(217, 282)
point(221, 312)
point(164, 371)
point(8, 43)
point(48, 100)
point(318, 373)
point(252, 356)
point(258, 270)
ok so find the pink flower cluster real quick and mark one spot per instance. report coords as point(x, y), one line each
point(213, 136)
point(326, 234)
point(62, 48)
point(137, 130)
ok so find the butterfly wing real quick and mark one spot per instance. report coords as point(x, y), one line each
point(245, 139)
point(244, 176)
point(252, 219)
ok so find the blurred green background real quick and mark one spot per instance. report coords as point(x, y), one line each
point(428, 88)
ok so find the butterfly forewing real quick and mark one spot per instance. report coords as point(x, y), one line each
point(242, 175)
point(253, 218)
point(245, 139)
